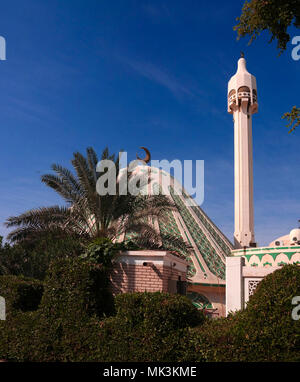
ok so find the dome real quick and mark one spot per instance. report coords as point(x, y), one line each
point(295, 236)
point(281, 241)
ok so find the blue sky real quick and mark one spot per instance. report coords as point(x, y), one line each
point(128, 73)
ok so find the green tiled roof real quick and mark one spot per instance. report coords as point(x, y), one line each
point(212, 259)
point(223, 242)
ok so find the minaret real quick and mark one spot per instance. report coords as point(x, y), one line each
point(242, 103)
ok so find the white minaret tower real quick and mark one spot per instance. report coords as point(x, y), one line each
point(242, 103)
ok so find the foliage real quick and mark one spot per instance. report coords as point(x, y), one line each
point(74, 286)
point(119, 343)
point(264, 331)
point(20, 293)
point(76, 296)
point(293, 118)
point(104, 251)
point(33, 259)
point(272, 15)
point(211, 342)
point(70, 324)
point(18, 336)
point(147, 327)
point(275, 16)
point(157, 310)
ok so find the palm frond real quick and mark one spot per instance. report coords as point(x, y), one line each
point(88, 214)
point(39, 216)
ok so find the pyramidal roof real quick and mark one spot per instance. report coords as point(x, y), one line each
point(209, 246)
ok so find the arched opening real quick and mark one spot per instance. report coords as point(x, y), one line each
point(243, 91)
point(199, 300)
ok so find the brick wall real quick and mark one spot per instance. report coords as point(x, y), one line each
point(140, 278)
point(171, 274)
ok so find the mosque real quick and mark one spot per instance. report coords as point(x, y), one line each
point(221, 275)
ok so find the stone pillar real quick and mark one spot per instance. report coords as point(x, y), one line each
point(234, 284)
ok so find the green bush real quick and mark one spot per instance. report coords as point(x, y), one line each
point(76, 296)
point(102, 251)
point(18, 336)
point(157, 310)
point(158, 334)
point(32, 259)
point(148, 327)
point(264, 331)
point(211, 342)
point(20, 293)
point(70, 324)
point(120, 343)
point(74, 287)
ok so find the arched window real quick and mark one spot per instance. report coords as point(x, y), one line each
point(199, 301)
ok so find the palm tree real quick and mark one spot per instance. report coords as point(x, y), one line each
point(88, 215)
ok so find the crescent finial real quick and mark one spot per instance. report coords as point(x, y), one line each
point(147, 157)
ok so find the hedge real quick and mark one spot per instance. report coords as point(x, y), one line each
point(75, 292)
point(264, 331)
point(32, 259)
point(157, 310)
point(76, 297)
point(70, 323)
point(148, 327)
point(20, 293)
point(73, 287)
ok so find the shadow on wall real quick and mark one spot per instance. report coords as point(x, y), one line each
point(136, 278)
